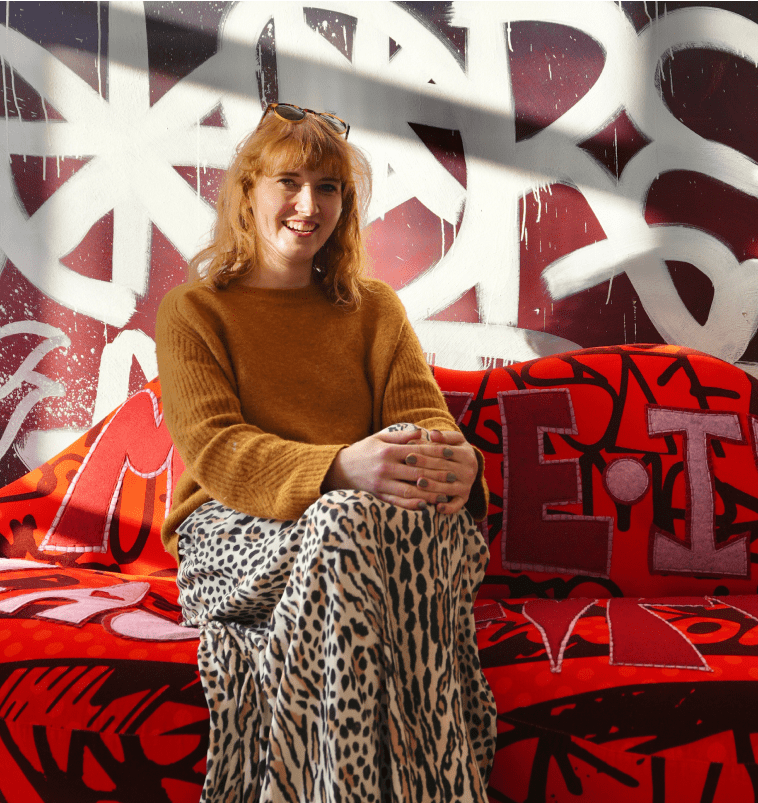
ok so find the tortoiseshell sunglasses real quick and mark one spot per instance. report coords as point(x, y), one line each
point(294, 114)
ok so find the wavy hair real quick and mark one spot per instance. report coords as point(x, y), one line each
point(340, 265)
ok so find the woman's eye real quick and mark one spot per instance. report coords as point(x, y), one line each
point(329, 188)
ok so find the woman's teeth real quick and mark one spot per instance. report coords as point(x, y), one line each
point(301, 227)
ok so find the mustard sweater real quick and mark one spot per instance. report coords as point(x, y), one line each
point(262, 388)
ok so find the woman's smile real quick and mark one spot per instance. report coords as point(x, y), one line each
point(301, 227)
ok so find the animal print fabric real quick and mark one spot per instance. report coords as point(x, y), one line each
point(338, 653)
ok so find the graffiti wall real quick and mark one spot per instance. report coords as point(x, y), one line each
point(547, 175)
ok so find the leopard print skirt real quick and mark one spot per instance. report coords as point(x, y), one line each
point(338, 653)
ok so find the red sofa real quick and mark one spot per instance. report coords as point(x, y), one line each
point(618, 623)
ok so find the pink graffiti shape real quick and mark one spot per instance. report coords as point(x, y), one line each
point(81, 604)
point(145, 626)
point(699, 554)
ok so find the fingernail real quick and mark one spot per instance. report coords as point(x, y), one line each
point(451, 477)
point(421, 504)
point(447, 452)
point(411, 460)
point(423, 482)
point(442, 498)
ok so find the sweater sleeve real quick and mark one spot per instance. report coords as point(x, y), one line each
point(413, 395)
point(230, 459)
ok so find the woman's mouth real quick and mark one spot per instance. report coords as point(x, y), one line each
point(300, 227)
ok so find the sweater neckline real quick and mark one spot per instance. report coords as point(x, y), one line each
point(293, 294)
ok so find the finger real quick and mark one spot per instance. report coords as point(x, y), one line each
point(437, 480)
point(423, 475)
point(416, 475)
point(406, 504)
point(439, 452)
point(441, 491)
point(450, 437)
point(451, 507)
point(439, 470)
point(410, 493)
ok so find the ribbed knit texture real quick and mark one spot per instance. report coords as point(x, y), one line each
point(262, 388)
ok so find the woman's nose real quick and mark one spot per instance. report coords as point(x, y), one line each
point(306, 201)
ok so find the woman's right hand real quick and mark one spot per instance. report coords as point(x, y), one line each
point(377, 464)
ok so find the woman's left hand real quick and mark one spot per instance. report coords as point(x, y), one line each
point(447, 466)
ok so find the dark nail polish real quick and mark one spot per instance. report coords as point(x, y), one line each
point(442, 498)
point(423, 482)
point(451, 477)
point(447, 452)
point(421, 504)
point(411, 460)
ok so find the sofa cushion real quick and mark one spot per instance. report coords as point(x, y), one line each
point(612, 451)
point(615, 471)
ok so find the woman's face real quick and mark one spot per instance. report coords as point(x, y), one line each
point(295, 211)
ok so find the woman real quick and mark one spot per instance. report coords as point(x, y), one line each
point(322, 527)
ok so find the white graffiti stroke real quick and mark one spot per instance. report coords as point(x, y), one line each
point(628, 81)
point(131, 148)
point(42, 386)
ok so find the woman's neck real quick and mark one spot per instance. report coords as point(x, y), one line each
point(280, 277)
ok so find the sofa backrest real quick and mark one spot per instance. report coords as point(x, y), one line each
point(624, 470)
point(616, 471)
point(100, 503)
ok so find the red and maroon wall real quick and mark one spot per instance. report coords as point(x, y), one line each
point(546, 176)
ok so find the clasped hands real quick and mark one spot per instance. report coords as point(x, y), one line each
point(408, 467)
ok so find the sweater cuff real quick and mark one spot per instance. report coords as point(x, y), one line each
point(308, 486)
point(479, 497)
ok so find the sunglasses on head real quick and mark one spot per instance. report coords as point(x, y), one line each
point(294, 114)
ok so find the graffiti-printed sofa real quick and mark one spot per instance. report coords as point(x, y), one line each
point(618, 624)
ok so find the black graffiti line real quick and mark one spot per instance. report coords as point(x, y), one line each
point(21, 675)
point(697, 390)
point(560, 747)
point(711, 783)
point(141, 710)
point(98, 680)
point(82, 671)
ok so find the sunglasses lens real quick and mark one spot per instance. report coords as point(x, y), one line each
point(290, 112)
point(334, 122)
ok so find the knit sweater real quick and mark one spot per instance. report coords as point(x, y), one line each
point(263, 387)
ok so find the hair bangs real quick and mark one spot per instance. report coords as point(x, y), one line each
point(305, 146)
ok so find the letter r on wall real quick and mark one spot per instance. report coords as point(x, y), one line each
point(532, 538)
